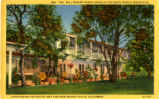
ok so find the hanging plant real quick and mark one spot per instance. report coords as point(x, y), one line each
point(71, 65)
point(96, 69)
point(60, 65)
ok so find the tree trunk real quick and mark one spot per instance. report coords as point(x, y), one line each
point(115, 58)
point(21, 64)
point(114, 74)
point(107, 65)
point(55, 66)
point(49, 66)
point(148, 70)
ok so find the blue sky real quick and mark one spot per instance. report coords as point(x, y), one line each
point(67, 12)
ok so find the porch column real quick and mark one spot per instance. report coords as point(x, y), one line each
point(10, 68)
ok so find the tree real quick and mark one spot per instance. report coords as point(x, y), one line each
point(141, 45)
point(16, 30)
point(142, 51)
point(46, 31)
point(113, 25)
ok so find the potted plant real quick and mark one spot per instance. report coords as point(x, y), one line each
point(60, 65)
point(96, 69)
point(52, 80)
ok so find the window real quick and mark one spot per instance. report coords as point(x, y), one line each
point(64, 67)
point(72, 42)
point(81, 68)
point(102, 69)
point(124, 54)
point(97, 48)
point(94, 66)
point(87, 46)
point(80, 47)
point(94, 48)
point(63, 44)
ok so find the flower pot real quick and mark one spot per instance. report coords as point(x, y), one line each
point(46, 83)
point(50, 80)
point(66, 81)
point(80, 81)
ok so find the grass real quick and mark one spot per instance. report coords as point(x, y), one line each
point(128, 86)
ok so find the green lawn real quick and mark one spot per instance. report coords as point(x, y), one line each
point(129, 86)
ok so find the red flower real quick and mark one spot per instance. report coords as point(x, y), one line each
point(96, 69)
point(71, 65)
point(60, 65)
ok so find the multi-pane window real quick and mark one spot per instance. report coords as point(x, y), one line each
point(87, 46)
point(125, 54)
point(81, 68)
point(80, 46)
point(102, 68)
point(94, 47)
point(94, 66)
point(97, 48)
point(64, 67)
point(72, 42)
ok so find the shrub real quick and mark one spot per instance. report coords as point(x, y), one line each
point(70, 79)
point(58, 80)
point(80, 77)
point(141, 74)
point(15, 76)
point(36, 78)
point(102, 78)
point(85, 79)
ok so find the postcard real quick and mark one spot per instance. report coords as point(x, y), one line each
point(79, 49)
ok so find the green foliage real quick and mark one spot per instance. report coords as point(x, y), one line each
point(36, 78)
point(46, 31)
point(141, 74)
point(102, 78)
point(58, 80)
point(115, 25)
point(70, 79)
point(85, 79)
point(34, 61)
point(95, 75)
point(142, 56)
point(80, 77)
point(15, 76)
point(89, 70)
